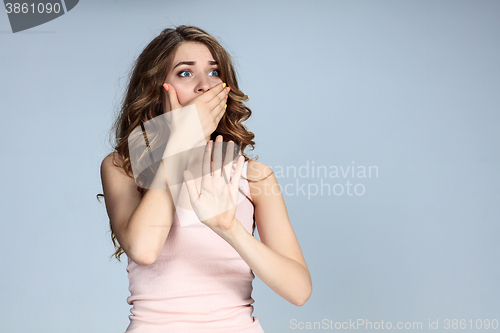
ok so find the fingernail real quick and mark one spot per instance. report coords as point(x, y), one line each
point(227, 96)
point(165, 86)
point(225, 106)
point(224, 85)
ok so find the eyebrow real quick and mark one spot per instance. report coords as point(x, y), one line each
point(191, 63)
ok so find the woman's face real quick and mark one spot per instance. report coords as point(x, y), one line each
point(193, 72)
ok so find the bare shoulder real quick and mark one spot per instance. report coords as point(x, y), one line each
point(121, 196)
point(112, 174)
point(262, 182)
point(112, 161)
point(258, 171)
point(111, 164)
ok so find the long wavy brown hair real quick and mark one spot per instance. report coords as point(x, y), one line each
point(143, 98)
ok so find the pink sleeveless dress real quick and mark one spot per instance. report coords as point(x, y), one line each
point(199, 283)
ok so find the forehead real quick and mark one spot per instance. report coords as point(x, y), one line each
point(192, 51)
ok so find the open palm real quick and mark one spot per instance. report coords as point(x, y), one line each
point(215, 203)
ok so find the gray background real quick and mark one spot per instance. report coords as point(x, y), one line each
point(410, 87)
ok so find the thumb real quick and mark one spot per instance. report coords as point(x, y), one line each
point(172, 97)
point(235, 179)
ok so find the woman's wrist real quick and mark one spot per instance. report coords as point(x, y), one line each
point(234, 234)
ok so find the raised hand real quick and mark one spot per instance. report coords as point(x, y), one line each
point(176, 139)
point(210, 107)
point(215, 203)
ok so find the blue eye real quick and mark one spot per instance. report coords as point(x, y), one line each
point(213, 72)
point(181, 74)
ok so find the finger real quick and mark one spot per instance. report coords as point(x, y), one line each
point(219, 111)
point(235, 180)
point(217, 157)
point(213, 92)
point(173, 101)
point(191, 185)
point(219, 99)
point(228, 162)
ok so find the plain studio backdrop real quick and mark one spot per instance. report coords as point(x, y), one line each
point(397, 100)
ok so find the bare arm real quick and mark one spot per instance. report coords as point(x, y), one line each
point(278, 259)
point(140, 225)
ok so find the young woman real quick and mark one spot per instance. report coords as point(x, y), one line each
point(191, 266)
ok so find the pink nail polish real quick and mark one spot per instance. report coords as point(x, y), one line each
point(165, 86)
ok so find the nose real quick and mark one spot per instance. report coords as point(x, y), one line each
point(202, 85)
